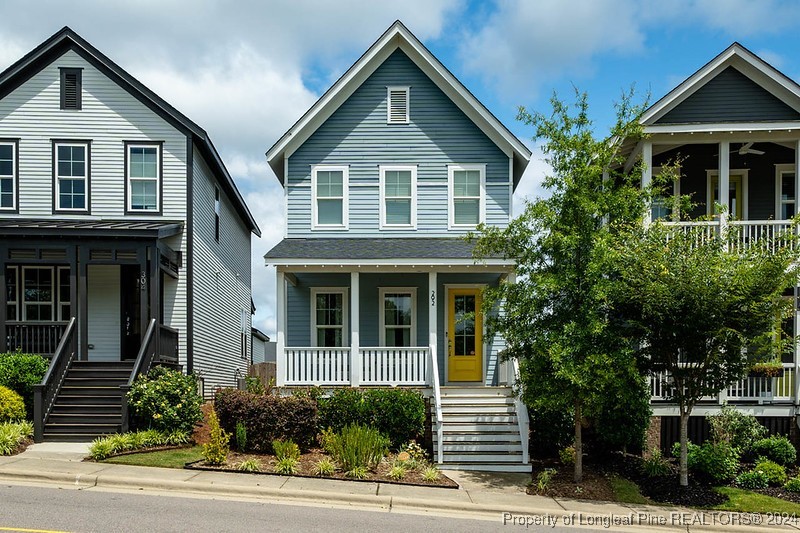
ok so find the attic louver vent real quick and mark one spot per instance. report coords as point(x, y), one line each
point(70, 88)
point(397, 112)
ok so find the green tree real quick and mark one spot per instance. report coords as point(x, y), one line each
point(700, 309)
point(556, 315)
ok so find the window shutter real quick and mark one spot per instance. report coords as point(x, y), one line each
point(398, 105)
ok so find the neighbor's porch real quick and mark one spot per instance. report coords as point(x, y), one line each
point(386, 327)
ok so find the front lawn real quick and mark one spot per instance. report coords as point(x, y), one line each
point(175, 458)
point(746, 501)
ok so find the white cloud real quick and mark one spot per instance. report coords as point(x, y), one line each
point(530, 186)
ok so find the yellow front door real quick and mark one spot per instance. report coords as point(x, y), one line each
point(464, 335)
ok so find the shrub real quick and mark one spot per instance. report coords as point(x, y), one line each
point(754, 479)
point(268, 418)
point(12, 408)
point(358, 472)
point(241, 437)
point(416, 452)
point(716, 462)
point(621, 420)
point(775, 473)
point(216, 451)
point(324, 467)
point(777, 448)
point(567, 455)
point(430, 474)
point(544, 478)
point(397, 473)
point(20, 372)
point(103, 447)
point(285, 449)
point(397, 413)
point(793, 485)
point(13, 434)
point(249, 465)
point(286, 466)
point(358, 446)
point(738, 429)
point(166, 400)
point(254, 385)
point(656, 465)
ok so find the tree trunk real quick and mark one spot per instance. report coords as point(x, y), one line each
point(578, 444)
point(684, 460)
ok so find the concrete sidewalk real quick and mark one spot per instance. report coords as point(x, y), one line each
point(481, 494)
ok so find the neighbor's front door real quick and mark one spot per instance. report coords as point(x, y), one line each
point(464, 335)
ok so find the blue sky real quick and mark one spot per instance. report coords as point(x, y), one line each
point(246, 70)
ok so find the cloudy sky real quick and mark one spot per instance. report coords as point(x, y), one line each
point(246, 70)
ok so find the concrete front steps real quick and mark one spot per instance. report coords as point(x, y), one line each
point(89, 403)
point(480, 430)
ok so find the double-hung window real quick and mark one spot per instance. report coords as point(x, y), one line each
point(398, 196)
point(786, 201)
point(466, 191)
point(37, 293)
point(8, 175)
point(329, 317)
point(397, 319)
point(329, 190)
point(71, 176)
point(144, 177)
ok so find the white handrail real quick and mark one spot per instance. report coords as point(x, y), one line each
point(437, 399)
point(522, 414)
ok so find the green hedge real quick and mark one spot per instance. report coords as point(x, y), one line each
point(12, 409)
point(267, 418)
point(20, 372)
point(397, 413)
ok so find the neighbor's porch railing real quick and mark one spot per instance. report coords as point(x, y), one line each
point(743, 233)
point(34, 337)
point(750, 388)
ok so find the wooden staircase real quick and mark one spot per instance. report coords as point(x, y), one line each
point(89, 402)
point(481, 430)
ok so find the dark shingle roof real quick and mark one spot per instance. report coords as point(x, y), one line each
point(417, 248)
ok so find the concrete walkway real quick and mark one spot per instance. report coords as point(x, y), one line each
point(484, 495)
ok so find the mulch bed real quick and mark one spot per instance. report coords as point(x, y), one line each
point(305, 468)
point(779, 492)
point(21, 447)
point(595, 484)
point(202, 433)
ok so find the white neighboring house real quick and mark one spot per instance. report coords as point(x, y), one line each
point(125, 238)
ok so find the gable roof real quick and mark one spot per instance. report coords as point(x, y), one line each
point(66, 39)
point(770, 80)
point(398, 37)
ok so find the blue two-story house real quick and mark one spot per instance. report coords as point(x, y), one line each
point(376, 286)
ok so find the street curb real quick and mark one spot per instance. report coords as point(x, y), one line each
point(100, 480)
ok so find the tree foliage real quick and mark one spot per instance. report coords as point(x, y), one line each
point(556, 315)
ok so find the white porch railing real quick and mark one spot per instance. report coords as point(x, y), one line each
point(394, 366)
point(744, 233)
point(749, 388)
point(522, 414)
point(317, 366)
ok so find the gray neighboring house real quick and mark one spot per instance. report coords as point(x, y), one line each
point(735, 123)
point(376, 286)
point(124, 236)
point(261, 352)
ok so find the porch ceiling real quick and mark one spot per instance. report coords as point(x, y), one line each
point(376, 251)
point(22, 227)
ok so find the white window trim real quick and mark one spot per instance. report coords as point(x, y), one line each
point(451, 169)
point(714, 173)
point(396, 88)
point(780, 170)
point(389, 168)
point(157, 179)
point(345, 197)
point(676, 191)
point(344, 291)
point(58, 207)
point(15, 301)
point(53, 293)
point(13, 176)
point(382, 291)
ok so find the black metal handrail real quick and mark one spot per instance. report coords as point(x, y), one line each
point(144, 360)
point(45, 393)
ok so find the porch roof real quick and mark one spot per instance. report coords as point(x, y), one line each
point(369, 250)
point(155, 229)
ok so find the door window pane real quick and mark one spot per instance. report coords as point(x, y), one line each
point(788, 195)
point(464, 334)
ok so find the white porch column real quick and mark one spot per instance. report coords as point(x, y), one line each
point(647, 176)
point(796, 315)
point(355, 319)
point(280, 344)
point(433, 315)
point(724, 184)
